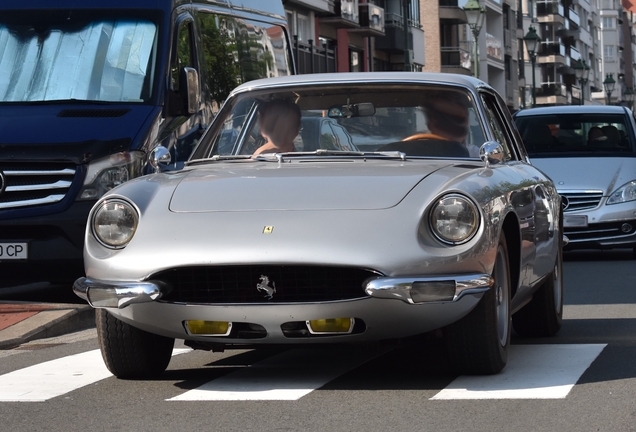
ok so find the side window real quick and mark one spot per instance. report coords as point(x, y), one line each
point(183, 57)
point(235, 51)
point(220, 59)
point(497, 123)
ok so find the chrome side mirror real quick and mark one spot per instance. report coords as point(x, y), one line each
point(192, 89)
point(492, 153)
point(159, 156)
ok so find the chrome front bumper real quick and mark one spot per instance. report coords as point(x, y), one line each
point(412, 290)
point(118, 294)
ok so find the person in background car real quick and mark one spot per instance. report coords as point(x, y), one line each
point(595, 134)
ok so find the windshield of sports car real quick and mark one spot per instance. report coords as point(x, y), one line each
point(85, 56)
point(576, 135)
point(417, 120)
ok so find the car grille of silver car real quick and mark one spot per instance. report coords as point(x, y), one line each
point(256, 284)
point(601, 231)
point(29, 185)
point(572, 201)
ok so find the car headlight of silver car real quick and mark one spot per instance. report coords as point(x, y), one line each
point(625, 193)
point(111, 171)
point(114, 222)
point(454, 219)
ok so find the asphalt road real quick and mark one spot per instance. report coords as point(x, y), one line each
point(584, 379)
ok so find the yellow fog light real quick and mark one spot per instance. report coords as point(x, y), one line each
point(208, 328)
point(331, 325)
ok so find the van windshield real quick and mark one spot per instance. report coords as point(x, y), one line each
point(109, 60)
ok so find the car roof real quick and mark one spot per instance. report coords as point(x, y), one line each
point(364, 77)
point(572, 109)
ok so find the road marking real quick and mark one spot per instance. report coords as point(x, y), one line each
point(600, 311)
point(54, 378)
point(287, 376)
point(532, 372)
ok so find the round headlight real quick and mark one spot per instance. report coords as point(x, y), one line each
point(114, 223)
point(454, 219)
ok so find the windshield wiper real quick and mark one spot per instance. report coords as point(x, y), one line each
point(217, 158)
point(278, 157)
point(326, 152)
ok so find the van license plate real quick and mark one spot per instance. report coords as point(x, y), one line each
point(13, 251)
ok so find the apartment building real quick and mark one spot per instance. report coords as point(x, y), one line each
point(356, 35)
point(435, 36)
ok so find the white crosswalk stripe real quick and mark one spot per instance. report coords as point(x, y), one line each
point(287, 376)
point(533, 372)
point(54, 378)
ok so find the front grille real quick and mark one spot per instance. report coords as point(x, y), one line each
point(573, 201)
point(29, 185)
point(601, 231)
point(238, 284)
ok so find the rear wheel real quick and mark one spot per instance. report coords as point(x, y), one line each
point(478, 343)
point(543, 316)
point(130, 352)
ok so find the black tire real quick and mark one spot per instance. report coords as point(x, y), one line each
point(129, 352)
point(543, 316)
point(478, 343)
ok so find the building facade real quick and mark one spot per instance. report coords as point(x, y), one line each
point(435, 36)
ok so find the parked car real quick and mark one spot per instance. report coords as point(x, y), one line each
point(334, 246)
point(590, 153)
point(89, 88)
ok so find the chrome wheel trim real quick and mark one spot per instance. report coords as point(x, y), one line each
point(557, 289)
point(501, 296)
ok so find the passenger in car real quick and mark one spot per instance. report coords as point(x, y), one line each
point(279, 122)
point(447, 119)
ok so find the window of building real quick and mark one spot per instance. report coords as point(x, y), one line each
point(300, 25)
point(608, 22)
point(608, 51)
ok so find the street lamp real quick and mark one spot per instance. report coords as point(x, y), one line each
point(629, 97)
point(582, 72)
point(608, 85)
point(532, 41)
point(475, 14)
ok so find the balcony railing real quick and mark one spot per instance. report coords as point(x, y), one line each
point(494, 47)
point(574, 17)
point(545, 8)
point(457, 56)
point(371, 19)
point(551, 89)
point(313, 59)
point(345, 14)
point(552, 48)
point(575, 54)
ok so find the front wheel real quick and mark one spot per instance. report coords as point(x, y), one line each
point(478, 343)
point(129, 352)
point(543, 316)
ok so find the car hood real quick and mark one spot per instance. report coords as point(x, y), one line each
point(263, 186)
point(589, 173)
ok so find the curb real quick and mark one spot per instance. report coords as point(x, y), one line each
point(56, 321)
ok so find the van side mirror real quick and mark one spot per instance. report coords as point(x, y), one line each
point(190, 80)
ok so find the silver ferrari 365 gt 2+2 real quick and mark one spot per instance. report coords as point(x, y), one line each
point(332, 209)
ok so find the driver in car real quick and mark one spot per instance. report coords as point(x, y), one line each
point(447, 119)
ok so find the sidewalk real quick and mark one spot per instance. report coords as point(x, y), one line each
point(22, 322)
